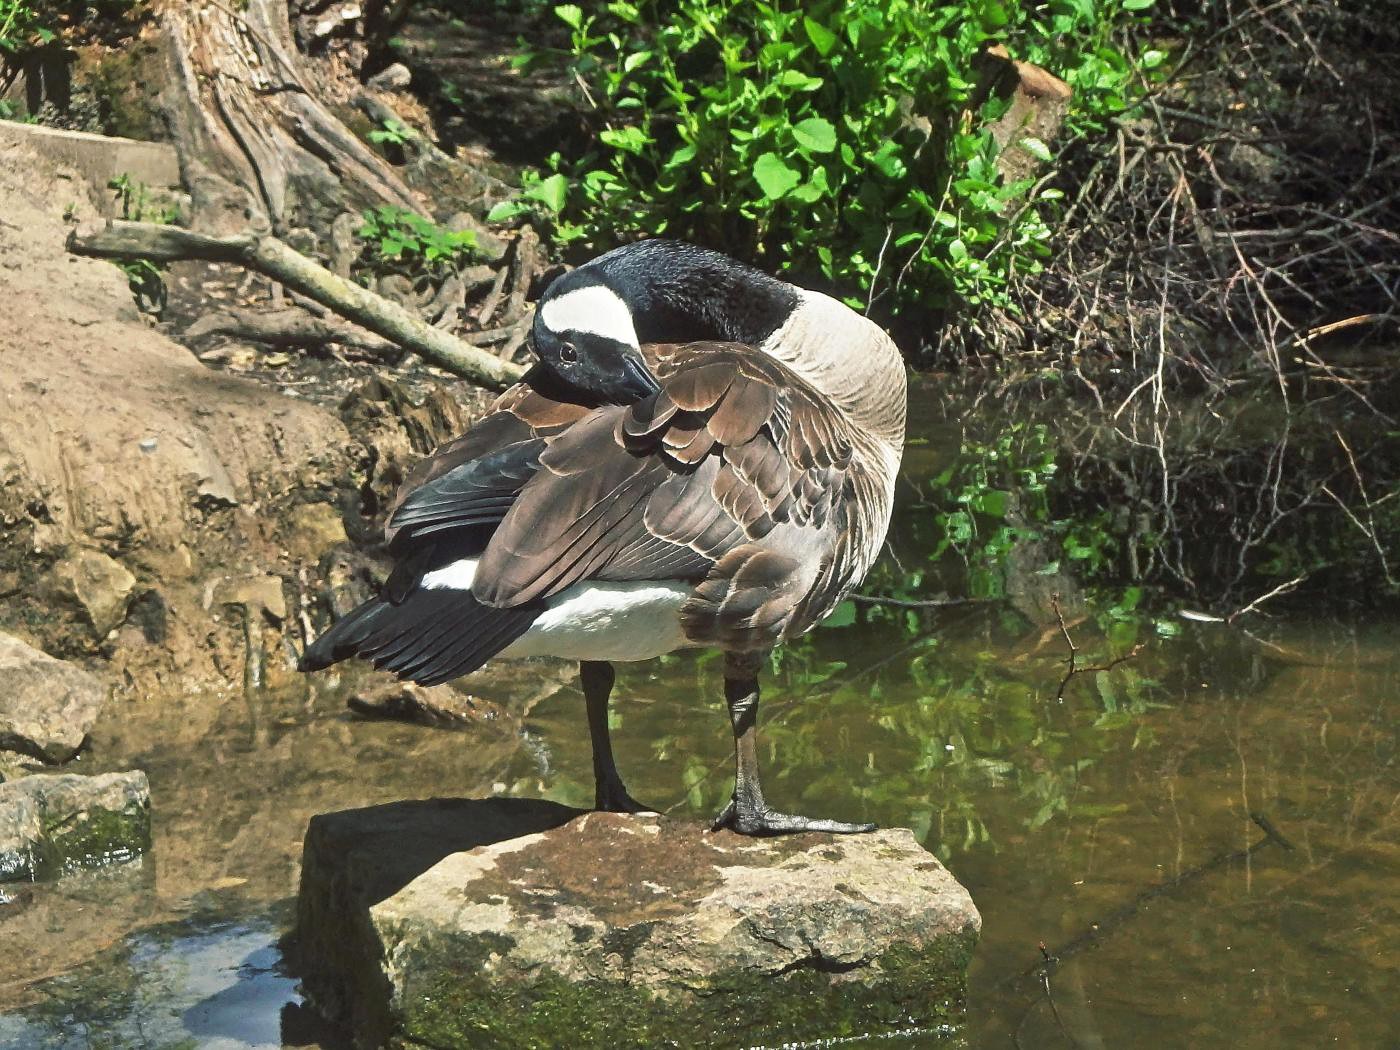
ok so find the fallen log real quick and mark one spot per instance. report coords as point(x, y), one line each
point(269, 256)
point(291, 327)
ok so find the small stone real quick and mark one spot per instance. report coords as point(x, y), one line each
point(391, 78)
point(47, 706)
point(316, 528)
point(101, 585)
point(148, 444)
point(214, 490)
point(440, 706)
point(445, 923)
point(51, 824)
point(255, 593)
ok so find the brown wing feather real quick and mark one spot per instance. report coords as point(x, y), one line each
point(689, 484)
point(519, 414)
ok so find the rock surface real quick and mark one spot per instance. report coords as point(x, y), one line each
point(47, 706)
point(51, 824)
point(518, 923)
point(131, 475)
point(101, 585)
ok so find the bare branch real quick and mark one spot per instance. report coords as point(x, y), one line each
point(271, 257)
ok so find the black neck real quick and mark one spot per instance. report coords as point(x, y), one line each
point(680, 293)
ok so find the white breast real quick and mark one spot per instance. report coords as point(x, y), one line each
point(593, 621)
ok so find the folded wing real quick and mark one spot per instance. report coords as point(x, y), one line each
point(735, 475)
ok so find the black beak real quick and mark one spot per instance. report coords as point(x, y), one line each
point(637, 382)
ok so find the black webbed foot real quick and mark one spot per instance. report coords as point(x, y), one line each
point(610, 796)
point(762, 822)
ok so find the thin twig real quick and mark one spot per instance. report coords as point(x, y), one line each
point(1072, 667)
point(1282, 588)
point(919, 603)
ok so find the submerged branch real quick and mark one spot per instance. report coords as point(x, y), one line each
point(1073, 667)
point(271, 257)
point(920, 603)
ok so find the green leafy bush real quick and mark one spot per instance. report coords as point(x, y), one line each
point(22, 26)
point(29, 24)
point(397, 235)
point(846, 139)
point(145, 278)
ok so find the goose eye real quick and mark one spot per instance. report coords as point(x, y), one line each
point(568, 353)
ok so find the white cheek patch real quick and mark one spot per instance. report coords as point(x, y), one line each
point(595, 310)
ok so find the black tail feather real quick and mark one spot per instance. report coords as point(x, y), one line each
point(432, 636)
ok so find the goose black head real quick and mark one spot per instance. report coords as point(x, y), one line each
point(584, 334)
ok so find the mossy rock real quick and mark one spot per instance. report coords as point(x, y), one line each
point(53, 824)
point(621, 931)
point(455, 996)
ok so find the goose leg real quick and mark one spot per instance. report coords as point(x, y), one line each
point(747, 813)
point(609, 793)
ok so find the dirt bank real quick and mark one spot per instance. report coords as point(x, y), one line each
point(138, 487)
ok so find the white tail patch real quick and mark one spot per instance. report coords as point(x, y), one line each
point(591, 621)
point(457, 576)
point(608, 621)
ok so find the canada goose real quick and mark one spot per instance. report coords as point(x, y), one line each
point(635, 495)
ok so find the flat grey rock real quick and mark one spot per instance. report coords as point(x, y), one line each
point(47, 706)
point(55, 823)
point(519, 923)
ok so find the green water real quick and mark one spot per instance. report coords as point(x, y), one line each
point(1111, 820)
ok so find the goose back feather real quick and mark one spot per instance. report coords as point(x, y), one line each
point(733, 507)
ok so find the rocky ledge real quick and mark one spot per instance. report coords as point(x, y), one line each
point(51, 824)
point(47, 706)
point(514, 923)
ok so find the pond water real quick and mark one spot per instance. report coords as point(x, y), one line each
point(1198, 847)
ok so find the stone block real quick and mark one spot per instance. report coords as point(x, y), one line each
point(47, 706)
point(521, 924)
point(51, 824)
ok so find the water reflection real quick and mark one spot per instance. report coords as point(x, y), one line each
point(1112, 821)
point(216, 986)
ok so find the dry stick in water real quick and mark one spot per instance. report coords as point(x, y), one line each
point(271, 257)
point(1050, 959)
point(1073, 668)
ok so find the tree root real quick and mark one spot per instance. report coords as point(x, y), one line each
point(273, 258)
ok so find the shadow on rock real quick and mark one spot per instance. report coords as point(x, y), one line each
point(356, 858)
point(389, 846)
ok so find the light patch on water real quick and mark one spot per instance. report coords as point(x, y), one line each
point(216, 989)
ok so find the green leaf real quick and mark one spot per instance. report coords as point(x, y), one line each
point(822, 38)
point(551, 192)
point(814, 189)
point(816, 134)
point(1137, 5)
point(889, 161)
point(635, 60)
point(506, 211)
point(632, 139)
point(799, 81)
point(842, 616)
point(1037, 149)
point(992, 503)
point(570, 14)
point(773, 175)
